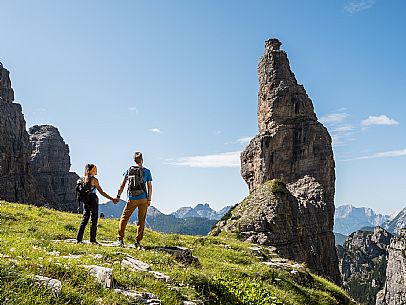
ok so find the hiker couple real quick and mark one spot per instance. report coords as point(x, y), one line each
point(139, 196)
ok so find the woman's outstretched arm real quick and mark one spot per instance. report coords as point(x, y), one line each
point(98, 187)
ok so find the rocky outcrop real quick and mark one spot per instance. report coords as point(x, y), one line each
point(6, 91)
point(50, 164)
point(16, 181)
point(34, 168)
point(362, 263)
point(294, 212)
point(394, 291)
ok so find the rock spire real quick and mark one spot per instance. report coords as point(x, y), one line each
point(33, 168)
point(16, 182)
point(289, 169)
point(50, 164)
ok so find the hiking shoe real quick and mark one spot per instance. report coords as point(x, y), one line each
point(137, 244)
point(119, 243)
point(96, 243)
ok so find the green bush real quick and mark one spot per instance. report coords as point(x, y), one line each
point(235, 291)
point(277, 186)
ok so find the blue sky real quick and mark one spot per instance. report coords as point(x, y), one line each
point(177, 80)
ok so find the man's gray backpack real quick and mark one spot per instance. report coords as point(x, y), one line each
point(136, 185)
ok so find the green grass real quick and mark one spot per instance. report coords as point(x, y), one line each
point(231, 273)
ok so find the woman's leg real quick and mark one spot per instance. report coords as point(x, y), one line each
point(85, 220)
point(94, 218)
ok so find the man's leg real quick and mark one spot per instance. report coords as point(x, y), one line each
point(142, 214)
point(125, 216)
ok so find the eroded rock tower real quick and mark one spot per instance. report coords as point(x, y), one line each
point(289, 169)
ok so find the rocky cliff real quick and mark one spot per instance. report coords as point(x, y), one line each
point(394, 291)
point(16, 181)
point(362, 263)
point(33, 168)
point(50, 164)
point(294, 210)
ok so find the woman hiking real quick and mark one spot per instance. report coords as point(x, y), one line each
point(91, 203)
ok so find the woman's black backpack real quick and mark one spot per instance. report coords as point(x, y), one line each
point(83, 191)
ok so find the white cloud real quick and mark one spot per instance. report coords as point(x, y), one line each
point(333, 118)
point(342, 134)
point(378, 120)
point(344, 129)
point(134, 109)
point(156, 130)
point(244, 140)
point(356, 6)
point(227, 159)
point(385, 154)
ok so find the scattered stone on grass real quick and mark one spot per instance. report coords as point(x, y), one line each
point(145, 297)
point(102, 274)
point(135, 264)
point(138, 265)
point(181, 254)
point(52, 284)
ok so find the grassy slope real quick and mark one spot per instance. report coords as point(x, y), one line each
point(230, 273)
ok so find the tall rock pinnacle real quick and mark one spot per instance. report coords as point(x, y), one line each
point(34, 168)
point(16, 182)
point(6, 92)
point(50, 164)
point(289, 169)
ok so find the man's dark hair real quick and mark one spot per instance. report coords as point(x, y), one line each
point(138, 157)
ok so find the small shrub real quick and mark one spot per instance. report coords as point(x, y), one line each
point(277, 187)
point(244, 292)
point(70, 227)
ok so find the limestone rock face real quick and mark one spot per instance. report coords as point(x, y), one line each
point(6, 92)
point(394, 291)
point(34, 168)
point(294, 148)
point(16, 181)
point(362, 263)
point(50, 164)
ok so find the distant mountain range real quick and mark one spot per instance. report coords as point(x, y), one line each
point(398, 221)
point(201, 210)
point(348, 219)
point(186, 220)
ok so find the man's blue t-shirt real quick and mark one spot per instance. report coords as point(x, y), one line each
point(147, 177)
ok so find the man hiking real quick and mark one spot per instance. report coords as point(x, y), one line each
point(139, 196)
